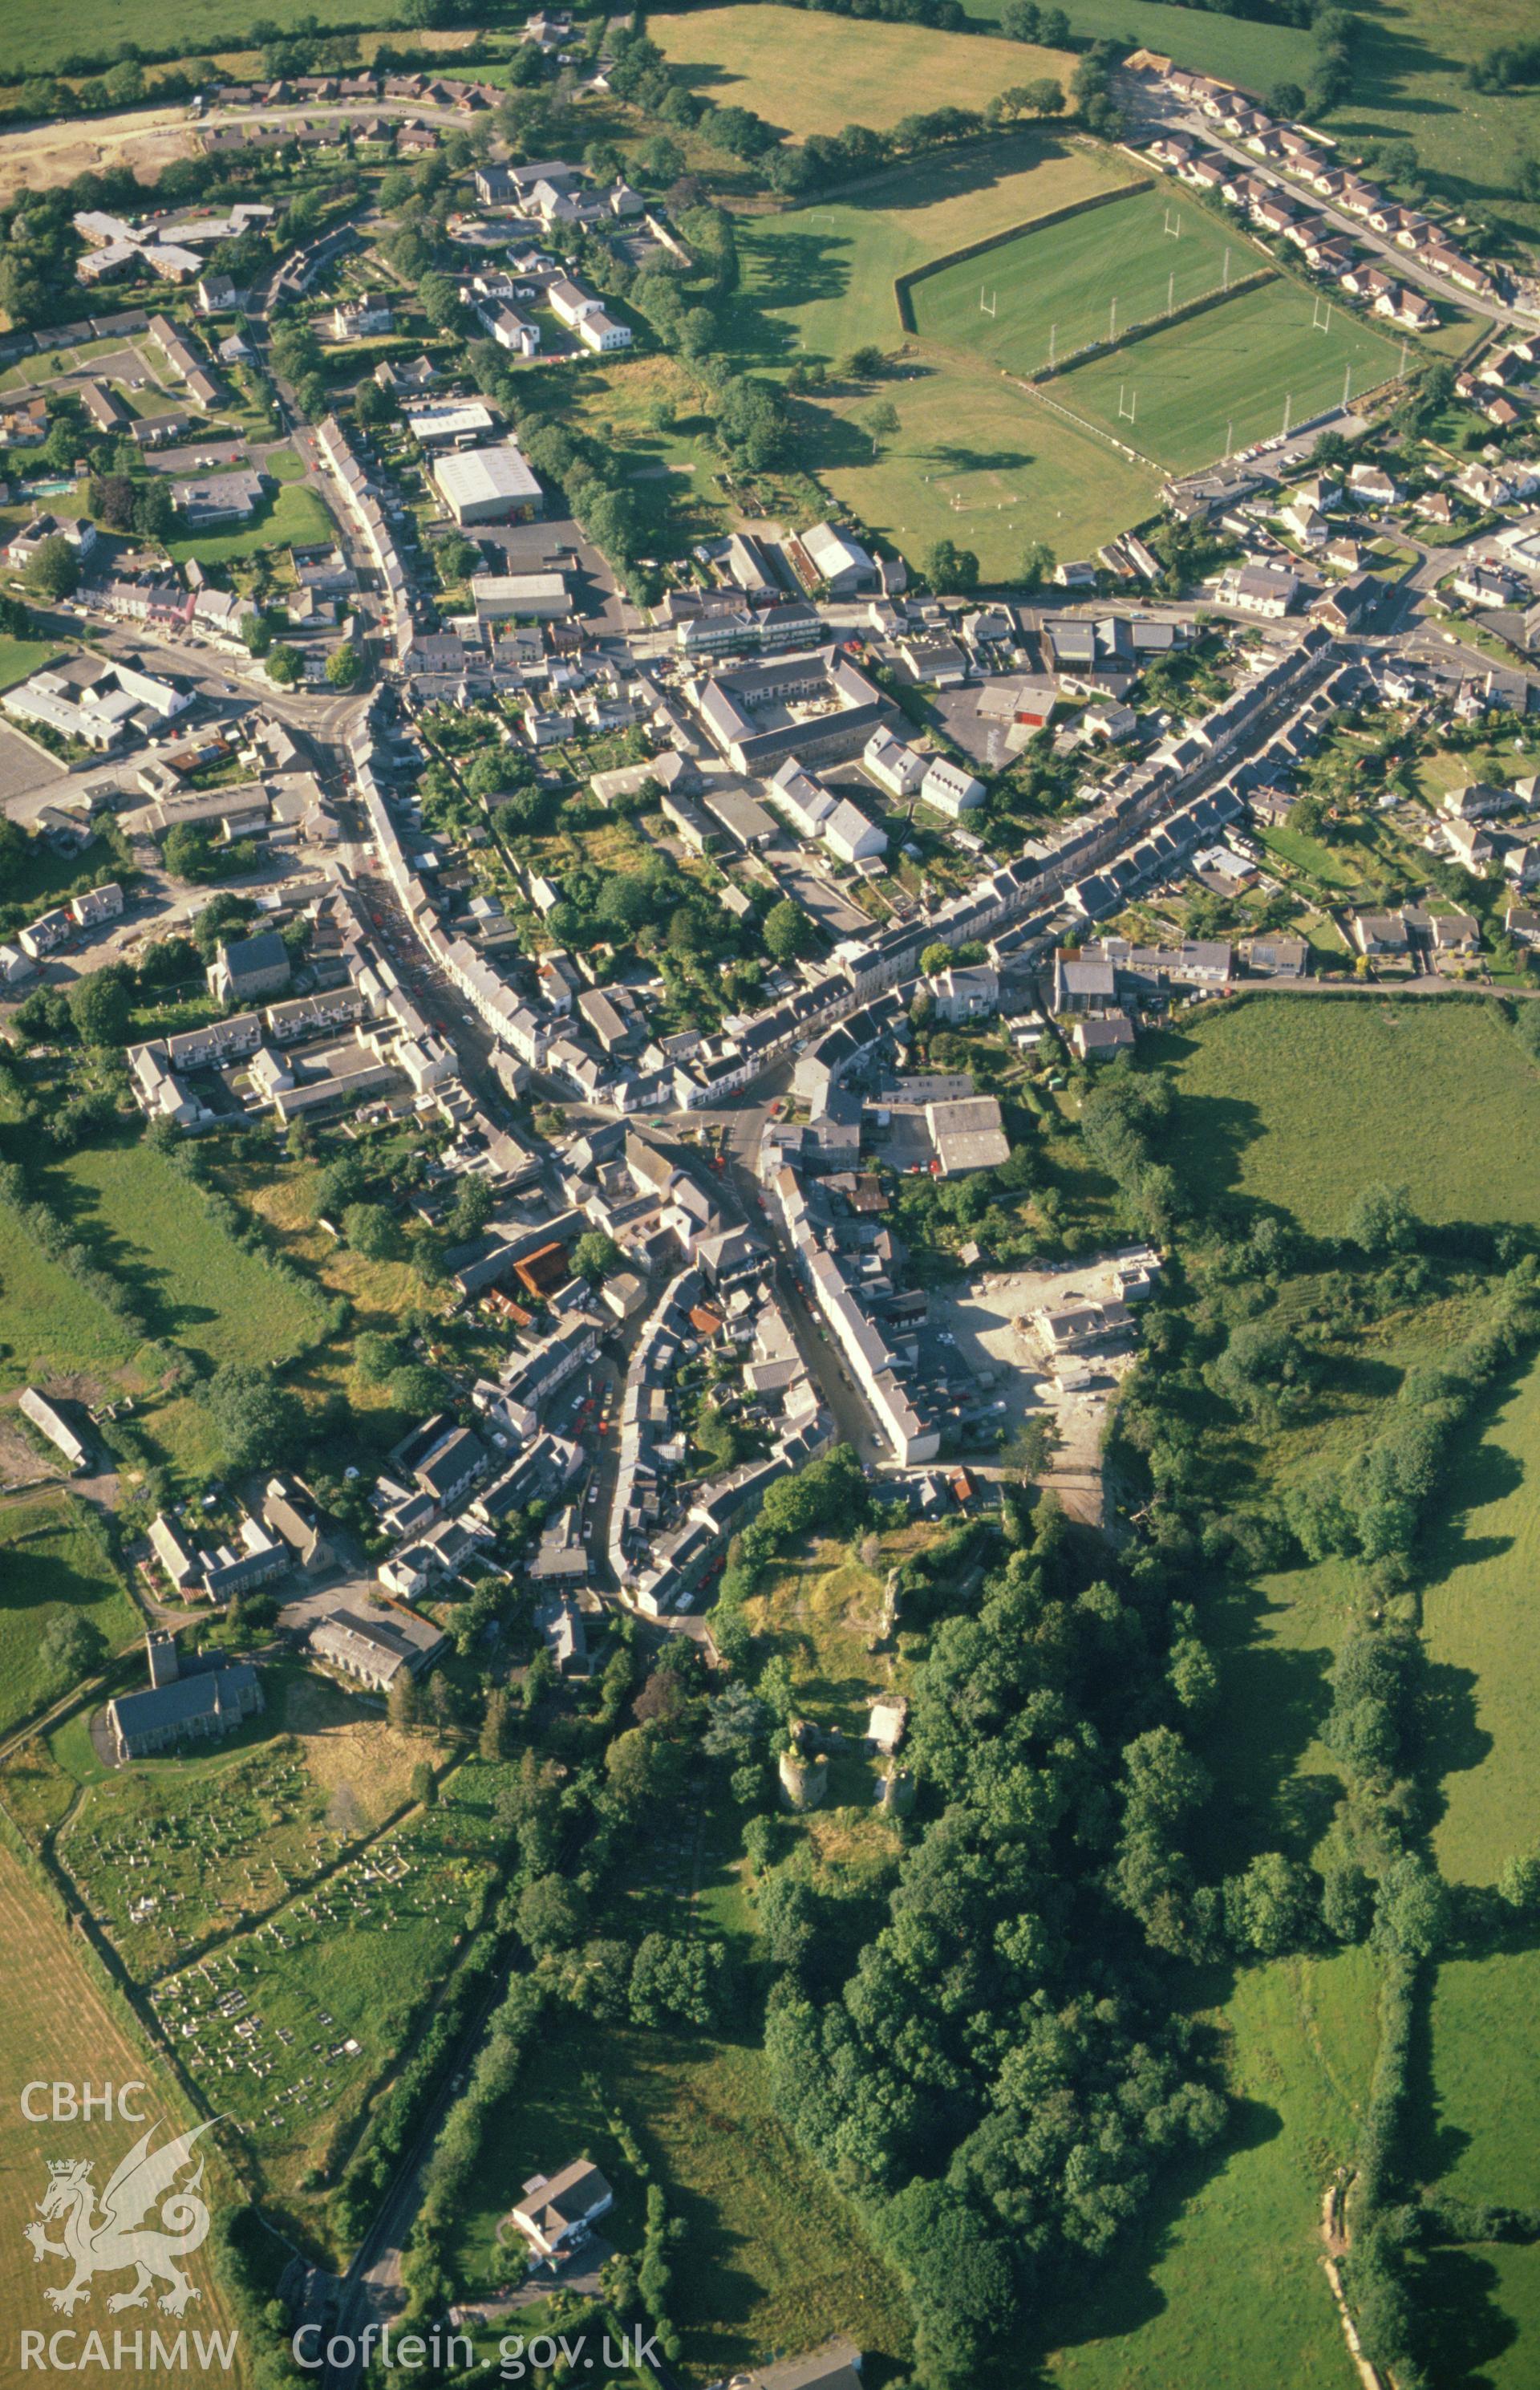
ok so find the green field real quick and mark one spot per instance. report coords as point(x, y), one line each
point(46, 1320)
point(1297, 1102)
point(1226, 377)
point(1409, 81)
point(974, 458)
point(295, 517)
point(50, 1562)
point(20, 658)
point(1483, 2139)
point(817, 280)
point(95, 27)
point(1078, 280)
point(807, 73)
point(1227, 2288)
point(194, 1284)
point(1479, 1624)
point(979, 462)
point(1256, 55)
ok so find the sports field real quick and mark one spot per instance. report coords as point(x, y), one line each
point(806, 73)
point(817, 281)
point(979, 461)
point(1084, 279)
point(973, 459)
point(1224, 378)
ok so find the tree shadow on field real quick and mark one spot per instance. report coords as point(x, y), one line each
point(1433, 2148)
point(1123, 2296)
point(952, 460)
point(144, 1281)
point(1282, 1692)
point(956, 174)
point(1462, 2329)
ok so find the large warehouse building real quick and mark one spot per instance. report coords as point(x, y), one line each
point(483, 486)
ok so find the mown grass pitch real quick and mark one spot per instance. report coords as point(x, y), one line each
point(1224, 378)
point(1082, 279)
point(978, 461)
point(817, 281)
point(807, 73)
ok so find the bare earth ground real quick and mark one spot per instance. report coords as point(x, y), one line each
point(988, 1338)
point(145, 140)
point(23, 766)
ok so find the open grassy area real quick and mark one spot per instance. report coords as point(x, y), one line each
point(1227, 2287)
point(807, 73)
point(771, 2256)
point(1482, 2087)
point(192, 1284)
point(1256, 55)
point(1409, 80)
point(1081, 280)
point(1480, 1628)
point(59, 2027)
point(978, 461)
point(1298, 1103)
point(33, 43)
point(52, 1562)
point(295, 516)
point(20, 658)
point(46, 1320)
point(823, 274)
point(1228, 374)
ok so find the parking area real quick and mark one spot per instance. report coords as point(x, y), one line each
point(560, 546)
point(991, 1324)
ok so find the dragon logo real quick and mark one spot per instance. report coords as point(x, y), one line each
point(116, 2238)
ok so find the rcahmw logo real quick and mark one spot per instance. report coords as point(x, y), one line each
point(144, 2222)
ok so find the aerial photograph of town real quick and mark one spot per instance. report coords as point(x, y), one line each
point(770, 1195)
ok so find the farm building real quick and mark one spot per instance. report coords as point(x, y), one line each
point(51, 1422)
